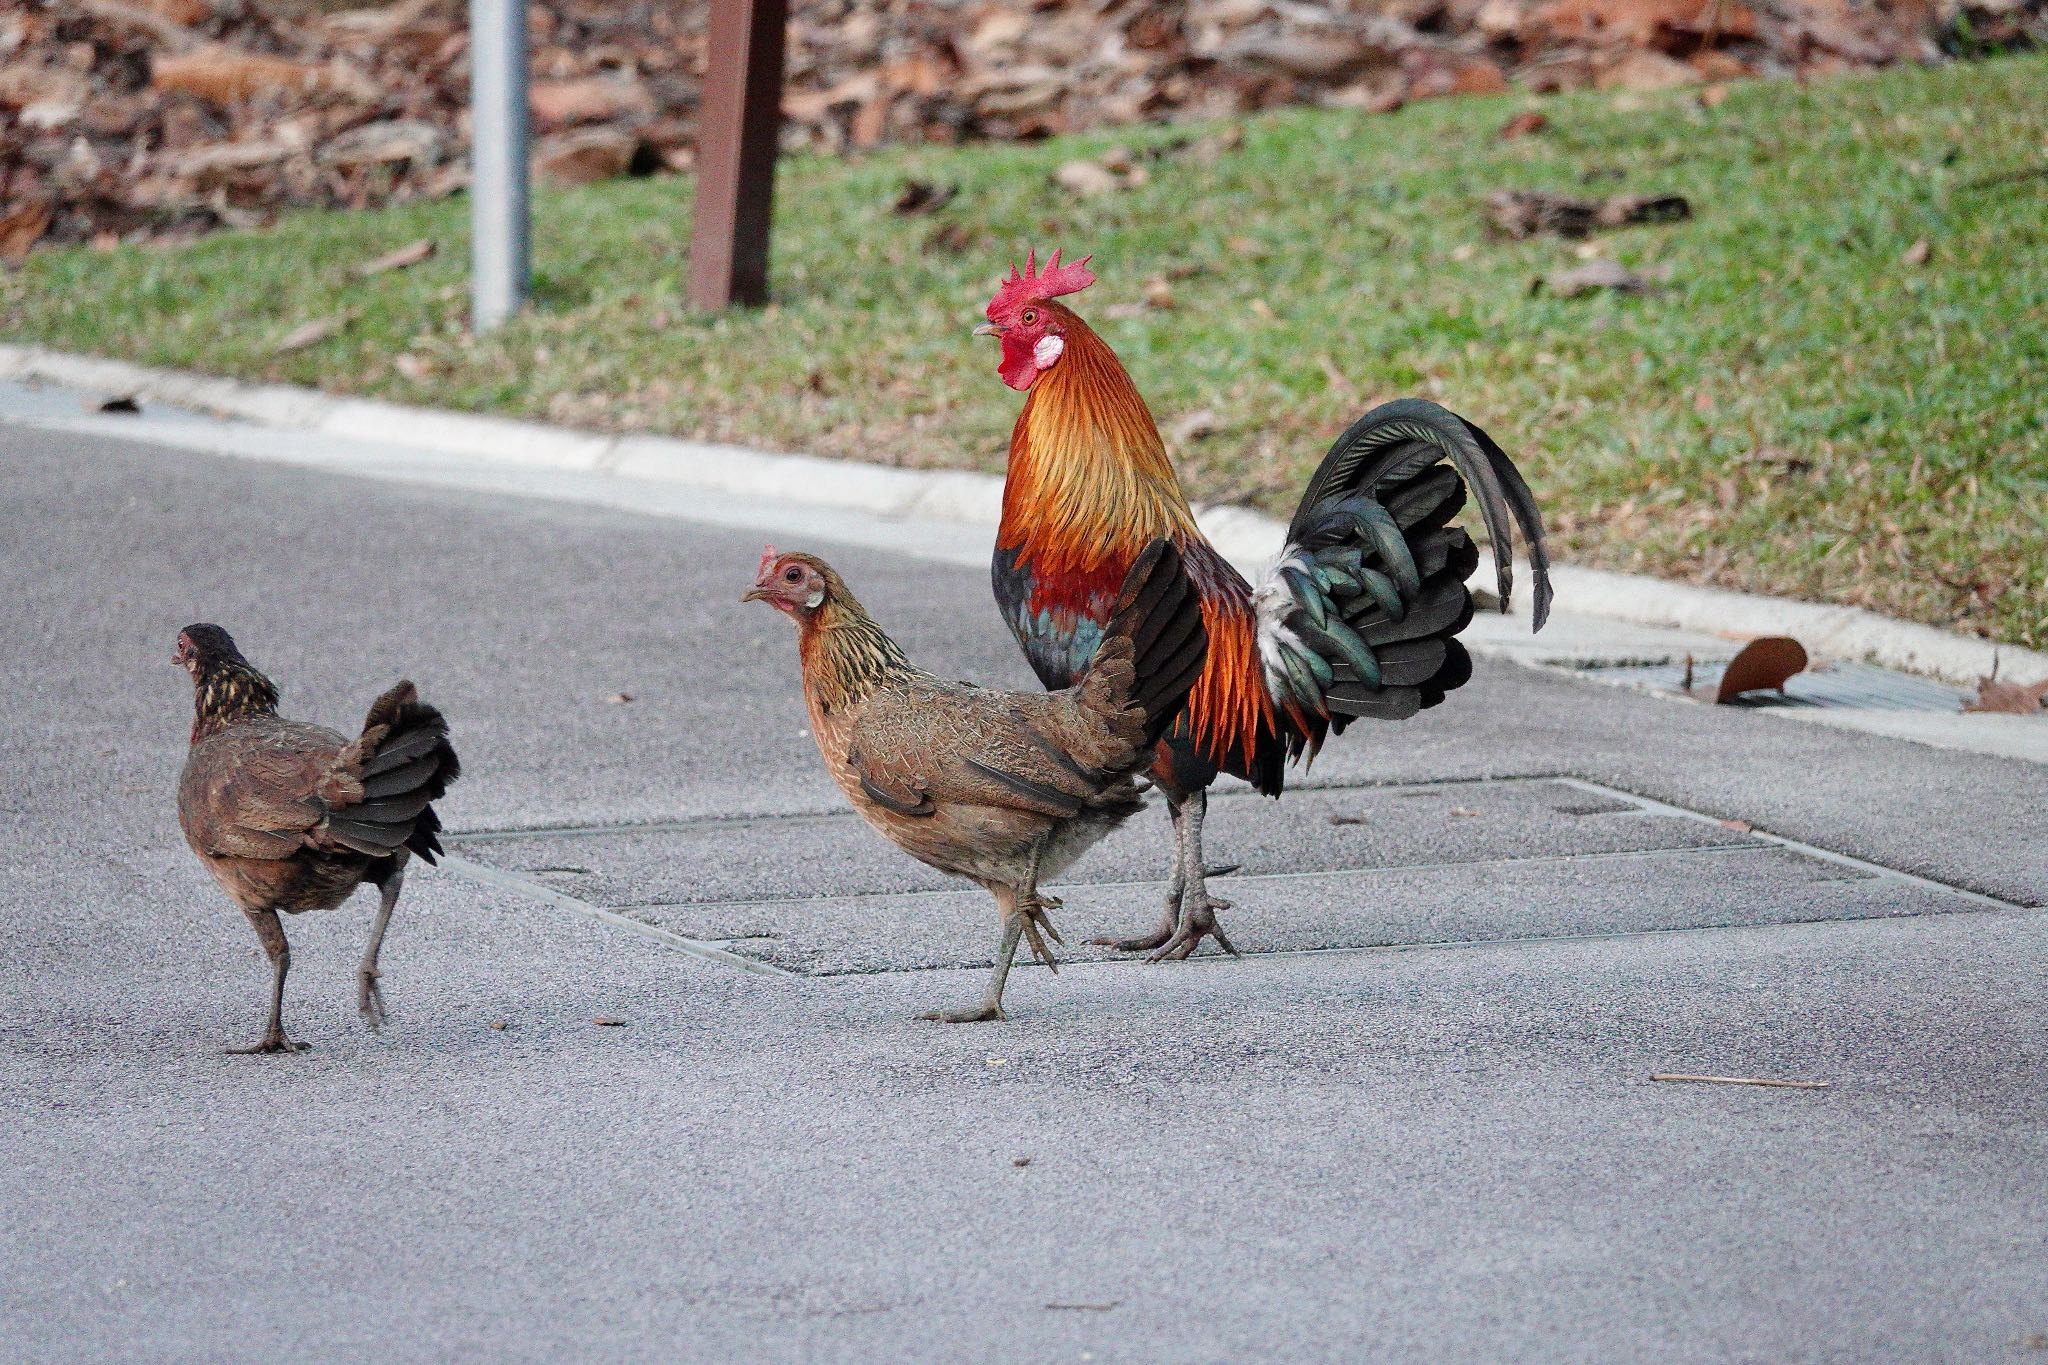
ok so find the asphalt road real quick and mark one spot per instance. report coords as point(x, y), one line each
point(1414, 1123)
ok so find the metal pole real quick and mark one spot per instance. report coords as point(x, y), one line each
point(497, 188)
point(737, 127)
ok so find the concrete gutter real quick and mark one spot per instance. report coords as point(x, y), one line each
point(975, 500)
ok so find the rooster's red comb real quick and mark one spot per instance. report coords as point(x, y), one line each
point(768, 557)
point(1032, 284)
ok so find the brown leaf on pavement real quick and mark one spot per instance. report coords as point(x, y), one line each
point(1763, 665)
point(2012, 699)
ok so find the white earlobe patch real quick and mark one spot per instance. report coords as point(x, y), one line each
point(1046, 351)
point(811, 603)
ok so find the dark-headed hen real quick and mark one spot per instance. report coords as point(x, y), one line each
point(289, 816)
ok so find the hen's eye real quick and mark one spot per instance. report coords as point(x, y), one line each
point(1030, 316)
point(792, 574)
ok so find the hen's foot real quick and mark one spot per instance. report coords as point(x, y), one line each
point(272, 1042)
point(983, 1013)
point(370, 998)
point(1197, 922)
point(1033, 910)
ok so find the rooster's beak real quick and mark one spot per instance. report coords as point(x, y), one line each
point(988, 329)
point(757, 593)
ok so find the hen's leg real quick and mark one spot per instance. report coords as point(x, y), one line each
point(369, 998)
point(271, 933)
point(1145, 943)
point(991, 1006)
point(1197, 907)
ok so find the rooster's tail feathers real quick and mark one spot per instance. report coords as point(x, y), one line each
point(1389, 446)
point(407, 763)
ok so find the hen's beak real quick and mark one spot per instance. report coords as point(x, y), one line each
point(988, 329)
point(757, 593)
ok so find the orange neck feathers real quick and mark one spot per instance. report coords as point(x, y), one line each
point(1089, 479)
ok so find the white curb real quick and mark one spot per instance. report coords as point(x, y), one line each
point(1245, 537)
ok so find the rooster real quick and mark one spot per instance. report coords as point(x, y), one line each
point(1002, 788)
point(1357, 617)
point(289, 816)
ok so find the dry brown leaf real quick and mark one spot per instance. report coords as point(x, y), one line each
point(1762, 665)
point(20, 229)
point(411, 254)
point(1594, 276)
point(2012, 699)
point(1524, 124)
point(310, 333)
point(1086, 178)
point(922, 196)
point(1917, 253)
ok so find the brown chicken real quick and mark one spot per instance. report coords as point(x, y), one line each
point(290, 817)
point(1003, 788)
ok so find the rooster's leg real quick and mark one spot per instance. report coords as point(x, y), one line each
point(991, 1006)
point(271, 932)
point(369, 997)
point(1197, 907)
point(1145, 943)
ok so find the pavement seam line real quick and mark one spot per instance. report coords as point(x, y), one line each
point(486, 875)
point(963, 496)
point(1652, 805)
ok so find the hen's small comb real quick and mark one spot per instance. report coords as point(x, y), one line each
point(1032, 284)
point(768, 557)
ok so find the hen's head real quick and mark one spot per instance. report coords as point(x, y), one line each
point(794, 584)
point(1033, 335)
point(202, 648)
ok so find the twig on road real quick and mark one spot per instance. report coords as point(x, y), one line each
point(1740, 1080)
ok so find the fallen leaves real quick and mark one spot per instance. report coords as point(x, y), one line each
point(202, 114)
point(1525, 124)
point(1917, 253)
point(308, 334)
point(410, 254)
point(608, 1021)
point(2012, 699)
point(922, 196)
point(1520, 214)
point(20, 229)
point(1595, 275)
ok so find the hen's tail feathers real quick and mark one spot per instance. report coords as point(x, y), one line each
point(1360, 614)
point(1397, 441)
point(406, 767)
point(1159, 612)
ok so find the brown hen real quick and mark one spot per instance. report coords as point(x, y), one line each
point(1003, 788)
point(290, 817)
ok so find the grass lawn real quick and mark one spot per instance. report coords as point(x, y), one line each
point(1801, 408)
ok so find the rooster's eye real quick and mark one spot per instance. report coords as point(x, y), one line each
point(1030, 316)
point(792, 574)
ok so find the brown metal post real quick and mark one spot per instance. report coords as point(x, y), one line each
point(737, 127)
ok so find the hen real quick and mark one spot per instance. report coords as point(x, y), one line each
point(1002, 788)
point(1358, 616)
point(290, 817)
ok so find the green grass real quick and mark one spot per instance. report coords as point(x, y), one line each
point(1797, 411)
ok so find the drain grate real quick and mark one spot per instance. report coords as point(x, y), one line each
point(1836, 686)
point(1334, 867)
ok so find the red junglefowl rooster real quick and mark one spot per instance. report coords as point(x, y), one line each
point(1357, 617)
point(1002, 788)
point(289, 816)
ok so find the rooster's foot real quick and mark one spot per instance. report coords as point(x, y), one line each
point(1145, 943)
point(272, 1042)
point(370, 998)
point(1197, 922)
